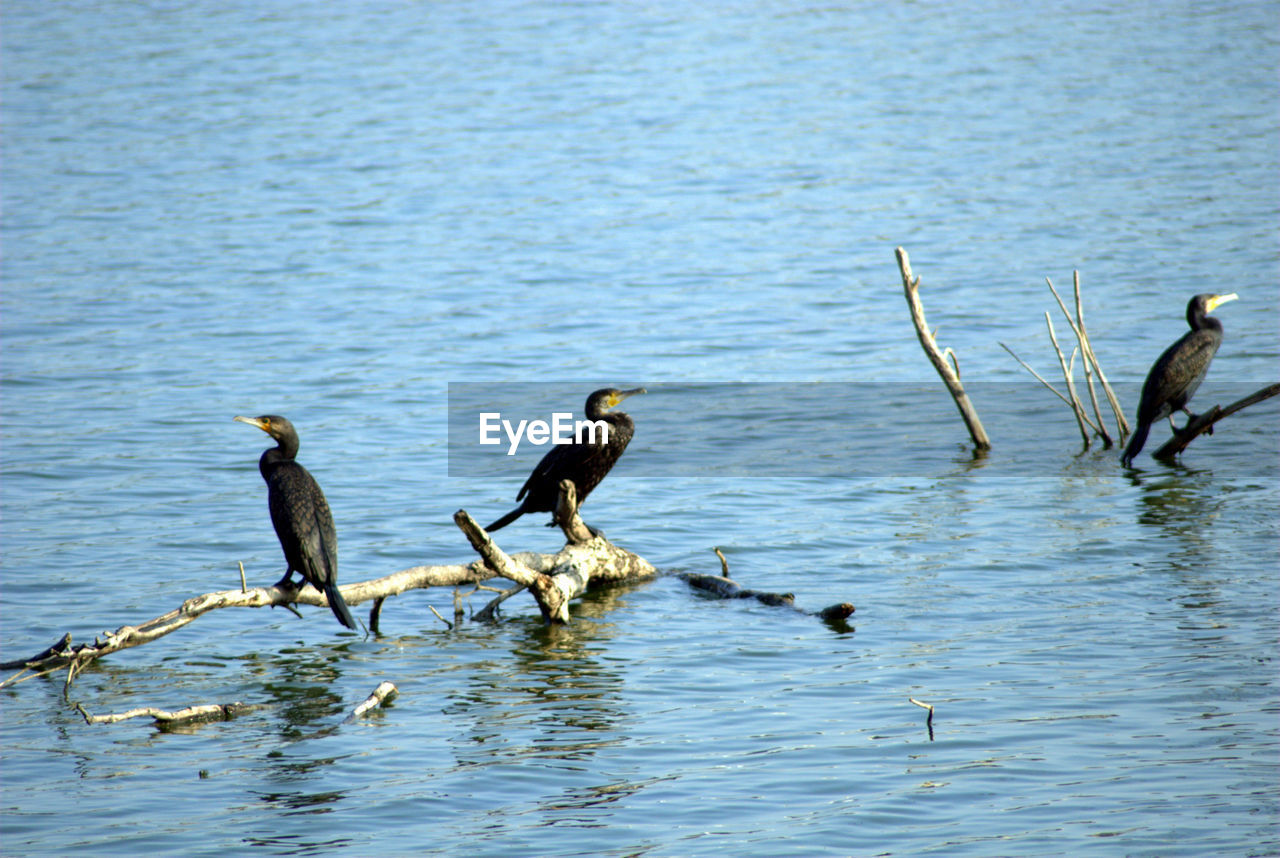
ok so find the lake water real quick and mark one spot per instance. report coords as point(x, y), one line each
point(336, 211)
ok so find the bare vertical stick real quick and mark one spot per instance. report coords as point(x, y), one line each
point(1122, 425)
point(1076, 407)
point(929, 720)
point(911, 286)
point(1085, 349)
point(1083, 340)
point(724, 564)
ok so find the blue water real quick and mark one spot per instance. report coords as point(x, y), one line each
point(332, 211)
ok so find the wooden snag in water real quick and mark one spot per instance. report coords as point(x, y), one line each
point(722, 587)
point(383, 694)
point(586, 559)
point(1092, 368)
point(188, 715)
point(929, 720)
point(76, 657)
point(950, 372)
point(553, 578)
point(1203, 423)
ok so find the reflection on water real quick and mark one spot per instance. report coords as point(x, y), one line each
point(1180, 503)
point(557, 697)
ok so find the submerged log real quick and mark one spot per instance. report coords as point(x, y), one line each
point(723, 587)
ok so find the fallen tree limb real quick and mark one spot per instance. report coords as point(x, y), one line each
point(63, 654)
point(554, 579)
point(1203, 423)
point(386, 691)
point(586, 559)
point(723, 587)
point(206, 712)
point(489, 612)
point(950, 372)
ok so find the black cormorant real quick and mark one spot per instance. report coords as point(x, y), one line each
point(1176, 375)
point(300, 515)
point(586, 464)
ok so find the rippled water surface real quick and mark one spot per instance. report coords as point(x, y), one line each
point(334, 211)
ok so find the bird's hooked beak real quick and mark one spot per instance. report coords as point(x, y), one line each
point(620, 395)
point(264, 425)
point(1218, 300)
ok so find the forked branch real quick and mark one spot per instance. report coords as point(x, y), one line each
point(585, 559)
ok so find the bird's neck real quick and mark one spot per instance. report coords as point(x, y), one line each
point(1205, 323)
point(613, 418)
point(273, 458)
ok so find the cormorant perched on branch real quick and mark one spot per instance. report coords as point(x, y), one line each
point(586, 464)
point(300, 515)
point(1176, 375)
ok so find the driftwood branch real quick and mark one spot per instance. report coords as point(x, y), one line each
point(586, 559)
point(63, 654)
point(1091, 364)
point(1039, 377)
point(928, 720)
point(1203, 423)
point(1092, 368)
point(1077, 409)
point(489, 612)
point(385, 692)
point(554, 579)
point(191, 714)
point(948, 371)
point(722, 587)
point(724, 563)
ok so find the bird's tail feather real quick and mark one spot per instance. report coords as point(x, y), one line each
point(506, 519)
point(1135, 444)
point(339, 606)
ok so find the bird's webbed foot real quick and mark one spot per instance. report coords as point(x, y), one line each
point(286, 583)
